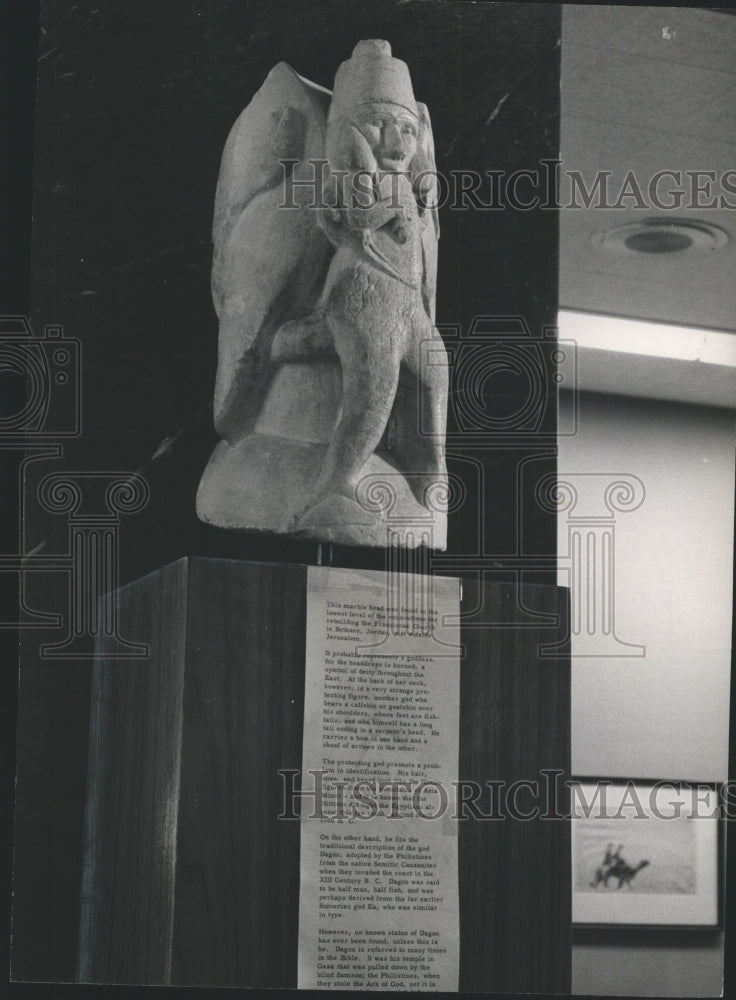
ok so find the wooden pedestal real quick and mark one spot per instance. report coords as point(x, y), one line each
point(190, 878)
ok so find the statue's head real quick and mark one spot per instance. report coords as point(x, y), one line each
point(373, 95)
point(390, 131)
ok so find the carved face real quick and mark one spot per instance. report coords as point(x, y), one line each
point(391, 132)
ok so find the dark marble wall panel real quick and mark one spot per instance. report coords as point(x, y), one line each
point(134, 104)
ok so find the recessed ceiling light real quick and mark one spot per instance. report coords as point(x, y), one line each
point(662, 236)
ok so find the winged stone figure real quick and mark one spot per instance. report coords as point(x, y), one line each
point(331, 387)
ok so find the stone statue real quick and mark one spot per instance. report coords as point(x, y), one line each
point(331, 390)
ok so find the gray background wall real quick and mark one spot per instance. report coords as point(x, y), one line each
point(664, 715)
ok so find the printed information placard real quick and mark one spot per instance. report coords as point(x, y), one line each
point(378, 906)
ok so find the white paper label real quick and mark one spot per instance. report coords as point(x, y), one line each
point(378, 906)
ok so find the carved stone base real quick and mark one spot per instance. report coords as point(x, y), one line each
point(258, 484)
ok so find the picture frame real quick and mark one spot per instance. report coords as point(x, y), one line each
point(646, 853)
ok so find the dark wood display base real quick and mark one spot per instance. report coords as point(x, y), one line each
point(189, 876)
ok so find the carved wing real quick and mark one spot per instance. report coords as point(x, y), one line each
point(269, 261)
point(423, 164)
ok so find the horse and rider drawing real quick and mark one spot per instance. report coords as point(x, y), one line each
point(615, 867)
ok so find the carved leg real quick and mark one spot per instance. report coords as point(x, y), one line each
point(370, 373)
point(302, 339)
point(420, 412)
point(240, 380)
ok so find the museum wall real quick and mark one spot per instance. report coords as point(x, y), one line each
point(664, 715)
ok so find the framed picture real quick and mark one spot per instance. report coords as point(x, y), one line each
point(645, 853)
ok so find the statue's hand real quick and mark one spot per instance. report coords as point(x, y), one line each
point(384, 213)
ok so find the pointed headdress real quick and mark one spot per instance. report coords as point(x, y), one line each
point(372, 75)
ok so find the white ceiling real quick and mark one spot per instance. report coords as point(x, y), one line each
point(648, 89)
